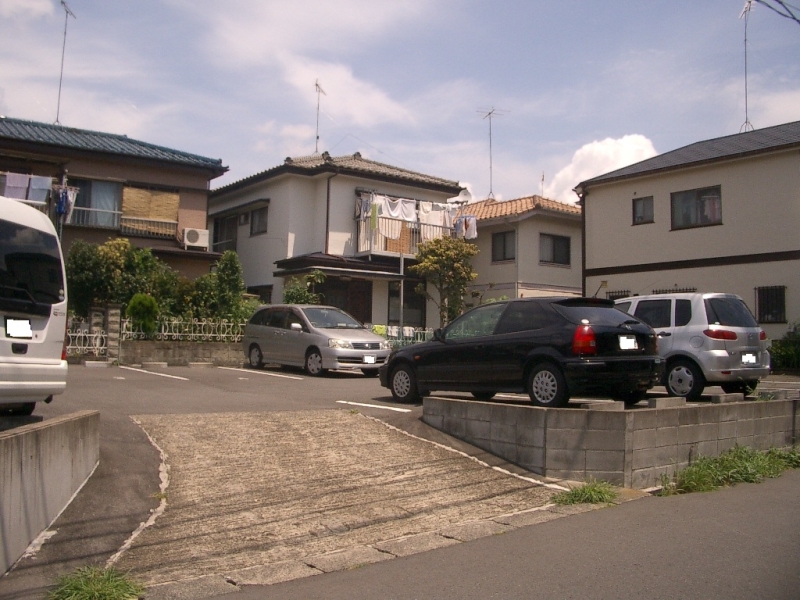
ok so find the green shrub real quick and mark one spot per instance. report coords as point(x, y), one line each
point(94, 583)
point(143, 311)
point(592, 492)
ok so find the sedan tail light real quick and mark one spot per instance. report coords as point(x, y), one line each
point(584, 341)
point(720, 334)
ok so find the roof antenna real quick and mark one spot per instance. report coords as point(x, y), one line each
point(745, 14)
point(319, 89)
point(489, 113)
point(67, 14)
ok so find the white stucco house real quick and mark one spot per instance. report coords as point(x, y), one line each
point(720, 215)
point(354, 219)
point(529, 246)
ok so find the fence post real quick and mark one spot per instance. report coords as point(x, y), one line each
point(113, 326)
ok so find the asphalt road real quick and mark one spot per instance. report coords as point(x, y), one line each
point(738, 543)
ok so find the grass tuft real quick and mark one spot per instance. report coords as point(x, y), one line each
point(740, 464)
point(94, 583)
point(592, 492)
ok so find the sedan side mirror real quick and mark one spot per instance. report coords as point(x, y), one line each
point(438, 334)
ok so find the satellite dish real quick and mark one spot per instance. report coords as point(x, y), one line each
point(464, 197)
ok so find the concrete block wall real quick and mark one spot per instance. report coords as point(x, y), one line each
point(181, 353)
point(42, 465)
point(631, 448)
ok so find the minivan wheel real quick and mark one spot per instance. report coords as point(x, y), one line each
point(746, 387)
point(547, 386)
point(684, 378)
point(314, 363)
point(255, 357)
point(403, 384)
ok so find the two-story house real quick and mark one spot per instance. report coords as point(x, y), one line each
point(527, 247)
point(154, 196)
point(356, 220)
point(720, 215)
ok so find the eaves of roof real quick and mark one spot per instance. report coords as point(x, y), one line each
point(740, 145)
point(489, 211)
point(351, 164)
point(61, 138)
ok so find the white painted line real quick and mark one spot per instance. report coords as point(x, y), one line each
point(374, 406)
point(257, 372)
point(154, 373)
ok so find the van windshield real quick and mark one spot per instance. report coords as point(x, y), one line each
point(31, 277)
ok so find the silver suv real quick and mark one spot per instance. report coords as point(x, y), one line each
point(706, 339)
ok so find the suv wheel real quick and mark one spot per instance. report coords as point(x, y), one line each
point(740, 387)
point(403, 383)
point(684, 378)
point(547, 386)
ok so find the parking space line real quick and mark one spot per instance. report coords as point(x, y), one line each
point(154, 373)
point(261, 373)
point(374, 406)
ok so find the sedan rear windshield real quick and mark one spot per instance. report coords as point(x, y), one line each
point(329, 318)
point(595, 315)
point(31, 277)
point(730, 312)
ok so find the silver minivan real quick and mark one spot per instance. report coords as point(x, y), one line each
point(706, 339)
point(33, 309)
point(314, 337)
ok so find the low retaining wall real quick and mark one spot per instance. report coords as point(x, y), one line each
point(42, 465)
point(630, 448)
point(181, 353)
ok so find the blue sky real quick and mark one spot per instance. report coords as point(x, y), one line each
point(581, 87)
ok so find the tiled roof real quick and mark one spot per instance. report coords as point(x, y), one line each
point(351, 164)
point(492, 209)
point(759, 141)
point(59, 136)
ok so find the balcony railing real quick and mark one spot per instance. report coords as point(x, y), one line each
point(393, 236)
point(94, 217)
point(223, 246)
point(153, 228)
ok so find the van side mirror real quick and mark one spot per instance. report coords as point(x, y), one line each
point(296, 327)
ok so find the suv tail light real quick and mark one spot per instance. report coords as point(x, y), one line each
point(720, 334)
point(584, 341)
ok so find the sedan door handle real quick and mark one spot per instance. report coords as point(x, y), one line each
point(664, 334)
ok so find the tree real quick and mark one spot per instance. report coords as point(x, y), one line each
point(302, 290)
point(445, 264)
point(230, 285)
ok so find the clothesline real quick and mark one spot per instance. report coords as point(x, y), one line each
point(436, 214)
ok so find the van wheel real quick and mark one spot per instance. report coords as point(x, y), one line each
point(255, 357)
point(740, 387)
point(547, 386)
point(684, 378)
point(314, 363)
point(18, 410)
point(403, 384)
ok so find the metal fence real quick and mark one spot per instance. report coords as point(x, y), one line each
point(192, 330)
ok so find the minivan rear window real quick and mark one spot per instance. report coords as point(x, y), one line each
point(31, 277)
point(730, 312)
point(596, 315)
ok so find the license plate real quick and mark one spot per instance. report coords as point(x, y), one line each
point(748, 358)
point(369, 359)
point(628, 342)
point(19, 328)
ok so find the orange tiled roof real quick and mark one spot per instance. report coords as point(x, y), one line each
point(492, 209)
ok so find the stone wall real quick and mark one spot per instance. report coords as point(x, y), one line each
point(625, 447)
point(181, 353)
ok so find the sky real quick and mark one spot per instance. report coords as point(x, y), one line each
point(578, 87)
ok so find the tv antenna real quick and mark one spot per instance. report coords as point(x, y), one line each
point(745, 14)
point(489, 113)
point(67, 14)
point(319, 89)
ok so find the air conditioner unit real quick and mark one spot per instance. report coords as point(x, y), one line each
point(196, 238)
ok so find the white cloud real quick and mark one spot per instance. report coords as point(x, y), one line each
point(26, 9)
point(775, 108)
point(596, 158)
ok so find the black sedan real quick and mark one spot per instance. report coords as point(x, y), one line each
point(551, 348)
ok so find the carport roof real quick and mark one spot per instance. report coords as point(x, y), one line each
point(338, 266)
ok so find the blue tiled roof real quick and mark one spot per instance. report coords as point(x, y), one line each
point(59, 136)
point(759, 141)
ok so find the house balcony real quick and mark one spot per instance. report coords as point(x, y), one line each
point(392, 237)
point(127, 226)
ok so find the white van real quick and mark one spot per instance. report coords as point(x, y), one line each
point(33, 309)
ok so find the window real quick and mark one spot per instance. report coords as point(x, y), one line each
point(522, 316)
point(554, 249)
point(97, 203)
point(771, 304)
point(655, 313)
point(643, 210)
point(258, 221)
point(225, 229)
point(683, 312)
point(478, 322)
point(503, 246)
point(696, 208)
